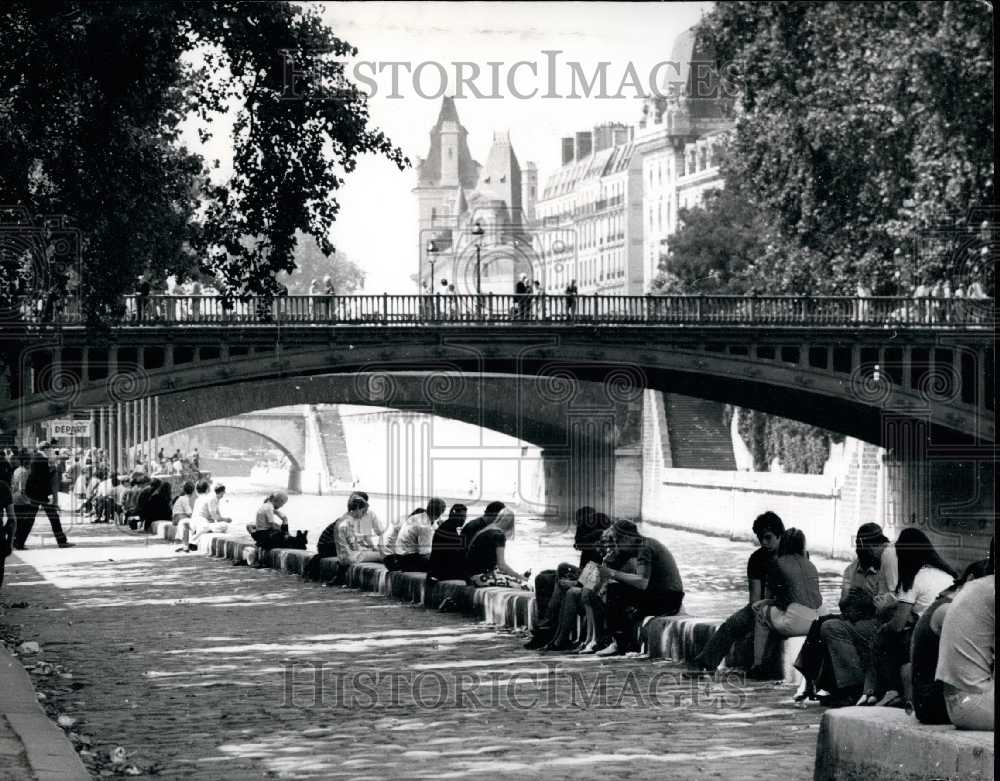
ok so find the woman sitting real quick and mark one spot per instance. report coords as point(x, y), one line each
point(793, 583)
point(270, 525)
point(485, 562)
point(447, 561)
point(923, 575)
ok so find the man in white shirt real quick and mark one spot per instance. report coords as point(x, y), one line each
point(413, 544)
point(967, 656)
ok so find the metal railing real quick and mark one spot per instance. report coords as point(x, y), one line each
point(689, 310)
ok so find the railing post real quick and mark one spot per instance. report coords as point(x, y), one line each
point(490, 305)
point(697, 307)
point(385, 307)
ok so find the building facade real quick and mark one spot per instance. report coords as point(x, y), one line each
point(472, 217)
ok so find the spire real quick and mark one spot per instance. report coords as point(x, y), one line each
point(430, 173)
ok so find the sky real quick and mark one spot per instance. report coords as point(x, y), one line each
point(377, 225)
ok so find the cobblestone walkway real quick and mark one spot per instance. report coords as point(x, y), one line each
point(203, 670)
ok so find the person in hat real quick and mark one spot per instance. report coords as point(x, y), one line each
point(655, 589)
point(867, 590)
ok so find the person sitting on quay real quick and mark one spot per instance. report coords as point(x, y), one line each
point(207, 517)
point(588, 600)
point(447, 560)
point(182, 514)
point(352, 548)
point(928, 701)
point(768, 528)
point(838, 662)
point(326, 548)
point(967, 655)
point(794, 604)
point(655, 589)
point(471, 528)
point(552, 584)
point(923, 575)
point(156, 507)
point(130, 505)
point(415, 540)
point(369, 528)
point(270, 525)
point(485, 559)
point(104, 496)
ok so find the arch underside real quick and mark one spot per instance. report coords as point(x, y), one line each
point(859, 404)
point(295, 466)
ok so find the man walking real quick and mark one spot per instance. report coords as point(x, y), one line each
point(41, 491)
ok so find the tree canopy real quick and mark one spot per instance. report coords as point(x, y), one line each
point(93, 101)
point(861, 128)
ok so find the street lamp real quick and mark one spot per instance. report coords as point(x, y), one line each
point(478, 232)
point(432, 252)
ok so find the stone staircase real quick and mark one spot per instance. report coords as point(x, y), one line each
point(334, 444)
point(699, 438)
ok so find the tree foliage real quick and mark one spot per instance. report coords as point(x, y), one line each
point(863, 128)
point(715, 243)
point(93, 99)
point(311, 263)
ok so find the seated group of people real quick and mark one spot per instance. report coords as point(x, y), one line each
point(197, 511)
point(445, 547)
point(622, 578)
point(910, 633)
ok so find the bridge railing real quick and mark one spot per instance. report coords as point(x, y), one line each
point(498, 308)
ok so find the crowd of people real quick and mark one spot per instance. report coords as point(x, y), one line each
point(909, 633)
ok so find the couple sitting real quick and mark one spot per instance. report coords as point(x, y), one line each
point(784, 600)
point(623, 578)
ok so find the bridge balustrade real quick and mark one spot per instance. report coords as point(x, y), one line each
point(550, 309)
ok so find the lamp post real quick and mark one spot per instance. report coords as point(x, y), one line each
point(478, 232)
point(432, 252)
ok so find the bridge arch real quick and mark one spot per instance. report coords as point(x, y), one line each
point(294, 484)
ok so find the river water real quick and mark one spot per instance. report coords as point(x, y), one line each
point(713, 568)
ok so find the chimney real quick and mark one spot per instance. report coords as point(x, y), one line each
point(603, 137)
point(622, 134)
point(583, 144)
point(567, 150)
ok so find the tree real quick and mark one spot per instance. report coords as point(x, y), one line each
point(311, 263)
point(864, 127)
point(92, 101)
point(711, 249)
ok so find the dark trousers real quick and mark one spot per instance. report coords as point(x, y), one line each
point(8, 524)
point(849, 650)
point(26, 514)
point(626, 607)
point(891, 651)
point(408, 562)
point(545, 583)
point(312, 570)
point(813, 660)
point(738, 626)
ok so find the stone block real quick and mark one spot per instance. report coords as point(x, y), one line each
point(885, 744)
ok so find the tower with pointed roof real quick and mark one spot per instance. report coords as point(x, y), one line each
point(454, 192)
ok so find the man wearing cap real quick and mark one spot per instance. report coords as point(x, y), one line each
point(655, 589)
point(849, 638)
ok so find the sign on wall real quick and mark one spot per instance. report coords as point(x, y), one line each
point(69, 429)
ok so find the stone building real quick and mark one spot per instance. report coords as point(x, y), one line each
point(457, 197)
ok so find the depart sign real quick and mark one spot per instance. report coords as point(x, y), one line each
point(69, 429)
